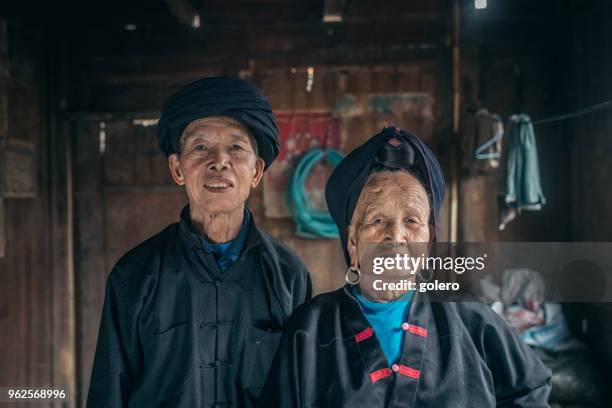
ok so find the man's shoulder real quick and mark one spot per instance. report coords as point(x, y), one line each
point(285, 256)
point(276, 243)
point(145, 254)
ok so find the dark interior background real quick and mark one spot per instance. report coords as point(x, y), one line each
point(79, 70)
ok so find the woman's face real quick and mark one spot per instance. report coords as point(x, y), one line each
point(393, 208)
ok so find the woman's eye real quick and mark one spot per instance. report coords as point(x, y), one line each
point(236, 147)
point(411, 221)
point(200, 148)
point(378, 221)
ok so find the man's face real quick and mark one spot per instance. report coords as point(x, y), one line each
point(217, 164)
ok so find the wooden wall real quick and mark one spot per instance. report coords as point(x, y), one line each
point(590, 156)
point(37, 342)
point(591, 141)
point(287, 92)
point(513, 63)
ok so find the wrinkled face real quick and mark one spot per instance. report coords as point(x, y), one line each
point(393, 207)
point(218, 164)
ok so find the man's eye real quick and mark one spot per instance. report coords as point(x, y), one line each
point(236, 147)
point(200, 148)
point(378, 221)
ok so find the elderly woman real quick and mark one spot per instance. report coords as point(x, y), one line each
point(362, 347)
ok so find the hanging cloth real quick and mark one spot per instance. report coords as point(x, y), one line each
point(521, 188)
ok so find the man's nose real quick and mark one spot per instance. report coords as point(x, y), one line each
point(218, 159)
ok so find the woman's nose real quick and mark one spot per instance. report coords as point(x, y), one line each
point(396, 232)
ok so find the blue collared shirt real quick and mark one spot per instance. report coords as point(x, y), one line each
point(386, 319)
point(226, 253)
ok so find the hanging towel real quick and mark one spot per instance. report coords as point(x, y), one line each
point(521, 187)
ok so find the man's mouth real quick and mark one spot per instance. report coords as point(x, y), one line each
point(218, 186)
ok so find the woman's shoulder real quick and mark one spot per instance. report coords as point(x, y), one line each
point(474, 318)
point(474, 312)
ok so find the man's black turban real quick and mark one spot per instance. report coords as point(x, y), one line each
point(392, 148)
point(219, 96)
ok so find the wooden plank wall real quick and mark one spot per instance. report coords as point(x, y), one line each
point(36, 291)
point(511, 64)
point(591, 144)
point(591, 155)
point(123, 195)
point(286, 89)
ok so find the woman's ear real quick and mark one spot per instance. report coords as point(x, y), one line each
point(432, 233)
point(175, 169)
point(351, 246)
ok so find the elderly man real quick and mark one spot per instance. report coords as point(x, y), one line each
point(192, 316)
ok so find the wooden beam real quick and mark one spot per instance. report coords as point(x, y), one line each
point(454, 189)
point(2, 228)
point(212, 41)
point(92, 116)
point(90, 269)
point(62, 257)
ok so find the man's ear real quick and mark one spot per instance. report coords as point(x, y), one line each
point(259, 170)
point(175, 169)
point(351, 246)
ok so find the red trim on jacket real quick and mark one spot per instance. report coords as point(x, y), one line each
point(380, 374)
point(417, 330)
point(364, 334)
point(409, 372)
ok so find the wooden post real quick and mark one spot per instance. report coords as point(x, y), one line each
point(454, 190)
point(89, 249)
point(62, 257)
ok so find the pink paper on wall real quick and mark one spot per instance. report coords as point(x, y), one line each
point(299, 133)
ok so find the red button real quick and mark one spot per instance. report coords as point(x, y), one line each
point(405, 326)
point(395, 368)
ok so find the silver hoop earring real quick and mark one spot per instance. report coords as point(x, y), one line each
point(356, 271)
